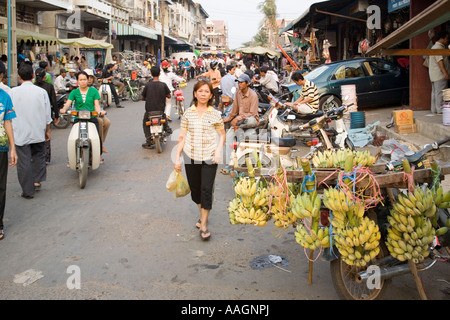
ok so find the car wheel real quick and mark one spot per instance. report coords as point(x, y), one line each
point(336, 103)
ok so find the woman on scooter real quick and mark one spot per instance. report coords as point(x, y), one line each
point(200, 125)
point(85, 98)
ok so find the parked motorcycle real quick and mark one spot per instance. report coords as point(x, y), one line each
point(106, 97)
point(324, 137)
point(64, 119)
point(158, 132)
point(133, 89)
point(83, 145)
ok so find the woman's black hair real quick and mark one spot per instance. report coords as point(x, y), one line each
point(40, 76)
point(200, 84)
point(82, 73)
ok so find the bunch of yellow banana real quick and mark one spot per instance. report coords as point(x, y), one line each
point(306, 205)
point(358, 244)
point(281, 214)
point(417, 203)
point(338, 200)
point(441, 199)
point(250, 206)
point(408, 237)
point(312, 240)
point(257, 217)
point(336, 159)
point(245, 189)
point(364, 159)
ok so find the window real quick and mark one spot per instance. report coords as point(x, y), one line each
point(349, 71)
point(381, 67)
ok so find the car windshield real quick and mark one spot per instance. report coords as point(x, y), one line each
point(316, 72)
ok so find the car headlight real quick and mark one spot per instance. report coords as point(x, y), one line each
point(84, 114)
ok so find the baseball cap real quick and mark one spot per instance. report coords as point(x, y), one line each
point(244, 78)
point(89, 72)
point(165, 64)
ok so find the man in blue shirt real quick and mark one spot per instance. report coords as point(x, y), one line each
point(6, 145)
point(227, 83)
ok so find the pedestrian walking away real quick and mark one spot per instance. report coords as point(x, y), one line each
point(168, 77)
point(31, 130)
point(155, 94)
point(201, 152)
point(6, 145)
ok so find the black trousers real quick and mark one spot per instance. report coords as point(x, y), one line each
point(31, 166)
point(201, 177)
point(114, 93)
point(3, 180)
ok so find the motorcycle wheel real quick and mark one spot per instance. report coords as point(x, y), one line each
point(158, 144)
point(83, 167)
point(344, 281)
point(137, 96)
point(64, 122)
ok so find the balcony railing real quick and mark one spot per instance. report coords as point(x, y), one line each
point(104, 9)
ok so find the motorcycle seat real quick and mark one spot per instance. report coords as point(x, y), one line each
point(284, 142)
point(308, 117)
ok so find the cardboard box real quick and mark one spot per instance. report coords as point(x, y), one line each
point(412, 128)
point(403, 117)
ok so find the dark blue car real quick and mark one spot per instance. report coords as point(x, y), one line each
point(378, 82)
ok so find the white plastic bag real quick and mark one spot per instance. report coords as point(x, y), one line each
point(171, 183)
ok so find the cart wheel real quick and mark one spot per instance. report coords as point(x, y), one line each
point(346, 286)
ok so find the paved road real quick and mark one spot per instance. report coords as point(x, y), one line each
point(130, 239)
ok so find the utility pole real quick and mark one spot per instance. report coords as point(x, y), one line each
point(161, 14)
point(12, 43)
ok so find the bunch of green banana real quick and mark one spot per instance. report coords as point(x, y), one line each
point(306, 205)
point(417, 203)
point(358, 244)
point(311, 239)
point(338, 200)
point(409, 236)
point(441, 199)
point(240, 214)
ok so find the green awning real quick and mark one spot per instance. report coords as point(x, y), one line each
point(86, 43)
point(124, 30)
point(27, 36)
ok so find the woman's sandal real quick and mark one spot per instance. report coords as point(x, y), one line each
point(205, 232)
point(198, 224)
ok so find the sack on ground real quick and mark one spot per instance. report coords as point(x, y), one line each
point(171, 183)
point(183, 188)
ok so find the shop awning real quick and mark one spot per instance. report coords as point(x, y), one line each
point(344, 7)
point(260, 50)
point(435, 15)
point(86, 43)
point(124, 30)
point(27, 36)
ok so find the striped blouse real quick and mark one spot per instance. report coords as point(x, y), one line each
point(310, 91)
point(201, 133)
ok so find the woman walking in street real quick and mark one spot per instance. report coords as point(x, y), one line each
point(200, 125)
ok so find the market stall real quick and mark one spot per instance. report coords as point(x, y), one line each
point(347, 209)
point(97, 53)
